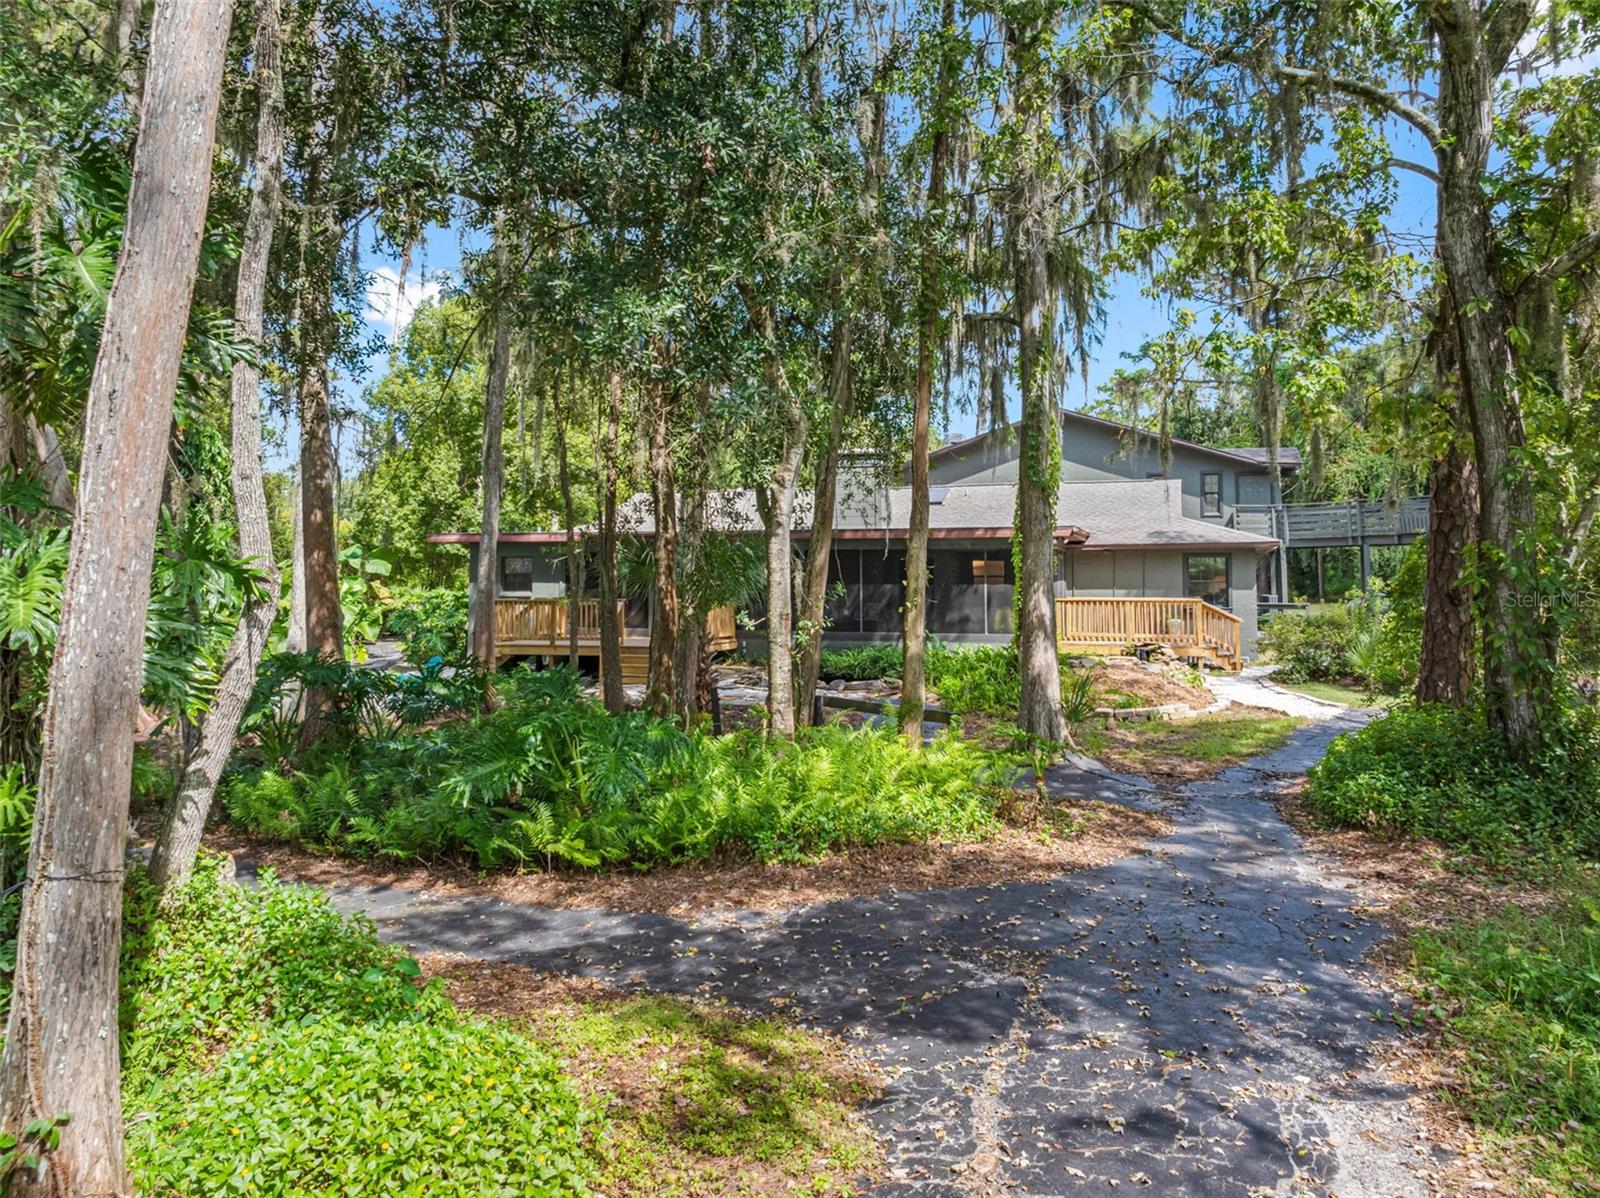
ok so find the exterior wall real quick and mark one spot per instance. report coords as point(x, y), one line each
point(1092, 451)
point(1156, 573)
point(549, 579)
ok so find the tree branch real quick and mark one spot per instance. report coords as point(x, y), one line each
point(1569, 259)
point(1405, 164)
point(1362, 90)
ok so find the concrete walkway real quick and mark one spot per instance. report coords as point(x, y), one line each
point(1193, 1021)
point(1252, 686)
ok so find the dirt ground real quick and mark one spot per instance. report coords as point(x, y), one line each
point(1084, 835)
point(1154, 685)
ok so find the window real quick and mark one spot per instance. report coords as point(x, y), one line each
point(1211, 494)
point(1206, 577)
point(988, 569)
point(516, 574)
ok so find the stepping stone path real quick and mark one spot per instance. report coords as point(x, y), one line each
point(1192, 1021)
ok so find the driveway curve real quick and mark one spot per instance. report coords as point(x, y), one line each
point(1191, 1021)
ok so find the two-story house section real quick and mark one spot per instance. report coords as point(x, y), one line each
point(1142, 556)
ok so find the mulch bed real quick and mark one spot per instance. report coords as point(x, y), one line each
point(1103, 833)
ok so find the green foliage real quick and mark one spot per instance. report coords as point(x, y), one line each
point(552, 776)
point(1314, 645)
point(1431, 770)
point(1520, 994)
point(430, 622)
point(355, 702)
point(363, 598)
point(860, 663)
point(270, 1044)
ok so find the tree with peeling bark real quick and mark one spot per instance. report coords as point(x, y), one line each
point(60, 1057)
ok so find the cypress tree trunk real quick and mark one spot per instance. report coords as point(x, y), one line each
point(324, 616)
point(914, 634)
point(777, 511)
point(481, 617)
point(61, 1045)
point(1031, 40)
point(611, 691)
point(185, 818)
point(665, 609)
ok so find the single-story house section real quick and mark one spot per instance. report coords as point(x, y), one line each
point(1143, 557)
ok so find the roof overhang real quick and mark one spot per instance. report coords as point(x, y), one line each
point(1263, 546)
point(1075, 536)
point(505, 538)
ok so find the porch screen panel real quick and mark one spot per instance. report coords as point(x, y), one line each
point(882, 589)
point(955, 604)
point(1001, 590)
point(843, 606)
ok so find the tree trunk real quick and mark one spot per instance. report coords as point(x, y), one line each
point(777, 514)
point(1518, 658)
point(686, 667)
point(481, 618)
point(665, 609)
point(1040, 450)
point(52, 464)
point(611, 691)
point(294, 640)
point(1445, 675)
point(324, 617)
point(569, 517)
point(814, 589)
point(184, 823)
point(61, 1042)
point(914, 635)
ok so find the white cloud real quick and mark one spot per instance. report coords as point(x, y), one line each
point(391, 307)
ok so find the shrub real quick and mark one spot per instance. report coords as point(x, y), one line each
point(272, 1045)
point(553, 776)
point(859, 663)
point(1521, 995)
point(1438, 771)
point(1315, 646)
point(429, 623)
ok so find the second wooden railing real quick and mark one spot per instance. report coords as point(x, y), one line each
point(1178, 622)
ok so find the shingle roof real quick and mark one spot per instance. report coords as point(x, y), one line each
point(1116, 514)
point(1288, 457)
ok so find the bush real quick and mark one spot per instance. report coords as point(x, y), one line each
point(1315, 646)
point(1437, 771)
point(553, 776)
point(271, 1045)
point(859, 663)
point(429, 623)
point(1521, 995)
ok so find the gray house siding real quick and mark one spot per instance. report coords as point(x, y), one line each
point(1093, 451)
point(1155, 573)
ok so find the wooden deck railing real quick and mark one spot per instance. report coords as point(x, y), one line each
point(1184, 624)
point(541, 623)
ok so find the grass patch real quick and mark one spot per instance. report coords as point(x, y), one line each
point(1188, 748)
point(1335, 692)
point(697, 1100)
point(1516, 997)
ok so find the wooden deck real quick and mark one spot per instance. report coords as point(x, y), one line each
point(1326, 525)
point(1189, 627)
point(538, 628)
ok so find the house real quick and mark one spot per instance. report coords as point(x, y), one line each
point(1143, 555)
